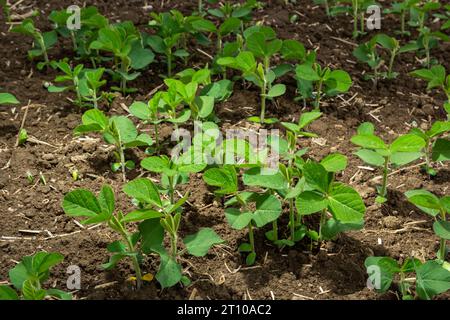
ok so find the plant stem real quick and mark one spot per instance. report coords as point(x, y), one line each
point(391, 63)
point(173, 246)
point(402, 19)
point(263, 102)
point(362, 22)
point(74, 41)
point(318, 94)
point(292, 218)
point(327, 8)
point(169, 63)
point(385, 176)
point(251, 237)
point(442, 247)
point(323, 216)
point(171, 190)
point(355, 18)
point(40, 39)
point(95, 98)
point(200, 6)
point(122, 162)
point(156, 136)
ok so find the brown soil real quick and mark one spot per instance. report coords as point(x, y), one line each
point(335, 272)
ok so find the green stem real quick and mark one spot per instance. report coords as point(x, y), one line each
point(275, 230)
point(44, 49)
point(385, 176)
point(362, 22)
point(171, 190)
point(74, 41)
point(442, 247)
point(156, 136)
point(323, 216)
point(122, 163)
point(292, 218)
point(318, 94)
point(169, 63)
point(251, 237)
point(327, 8)
point(402, 19)
point(174, 246)
point(263, 102)
point(391, 63)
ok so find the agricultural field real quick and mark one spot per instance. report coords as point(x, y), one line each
point(239, 150)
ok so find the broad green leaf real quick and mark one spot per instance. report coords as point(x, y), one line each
point(381, 272)
point(441, 150)
point(407, 143)
point(424, 200)
point(442, 229)
point(338, 81)
point(431, 279)
point(59, 294)
point(156, 164)
point(264, 178)
point(345, 203)
point(316, 176)
point(268, 209)
point(402, 158)
point(230, 25)
point(141, 110)
point(368, 141)
point(293, 50)
point(152, 234)
point(224, 178)
point(309, 202)
point(370, 157)
point(31, 292)
point(140, 215)
point(306, 72)
point(106, 199)
point(276, 91)
point(95, 116)
point(205, 105)
point(125, 128)
point(140, 57)
point(7, 293)
point(143, 190)
point(198, 244)
point(366, 128)
point(7, 98)
point(237, 219)
point(438, 128)
point(333, 227)
point(334, 162)
point(169, 273)
point(81, 202)
point(307, 117)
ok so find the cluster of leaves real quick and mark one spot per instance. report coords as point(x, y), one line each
point(28, 277)
point(155, 217)
point(375, 152)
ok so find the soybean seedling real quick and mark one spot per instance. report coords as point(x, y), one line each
point(148, 197)
point(326, 81)
point(167, 39)
point(436, 78)
point(124, 42)
point(93, 83)
point(420, 12)
point(256, 73)
point(43, 41)
point(73, 75)
point(357, 10)
point(102, 209)
point(435, 147)
point(367, 53)
point(324, 195)
point(439, 209)
point(173, 171)
point(430, 278)
point(402, 8)
point(428, 40)
point(240, 213)
point(374, 151)
point(6, 9)
point(28, 277)
point(118, 131)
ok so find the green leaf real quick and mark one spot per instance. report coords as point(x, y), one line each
point(198, 244)
point(205, 105)
point(230, 25)
point(441, 150)
point(333, 227)
point(368, 141)
point(140, 215)
point(81, 203)
point(95, 116)
point(124, 127)
point(346, 204)
point(7, 98)
point(334, 162)
point(431, 280)
point(264, 178)
point(152, 234)
point(268, 209)
point(402, 158)
point(438, 128)
point(156, 164)
point(366, 128)
point(106, 199)
point(293, 50)
point(250, 260)
point(7, 293)
point(442, 229)
point(143, 190)
point(276, 91)
point(224, 178)
point(113, 260)
point(59, 294)
point(309, 202)
point(370, 157)
point(424, 200)
point(141, 110)
point(381, 272)
point(338, 81)
point(140, 57)
point(169, 273)
point(237, 219)
point(306, 72)
point(307, 117)
point(30, 292)
point(407, 143)
point(316, 176)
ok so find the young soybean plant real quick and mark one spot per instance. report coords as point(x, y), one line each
point(124, 42)
point(323, 194)
point(28, 277)
point(149, 197)
point(240, 213)
point(428, 40)
point(326, 81)
point(439, 209)
point(374, 151)
point(402, 8)
point(430, 278)
point(259, 75)
point(436, 78)
point(435, 147)
point(102, 209)
point(42, 41)
point(117, 130)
